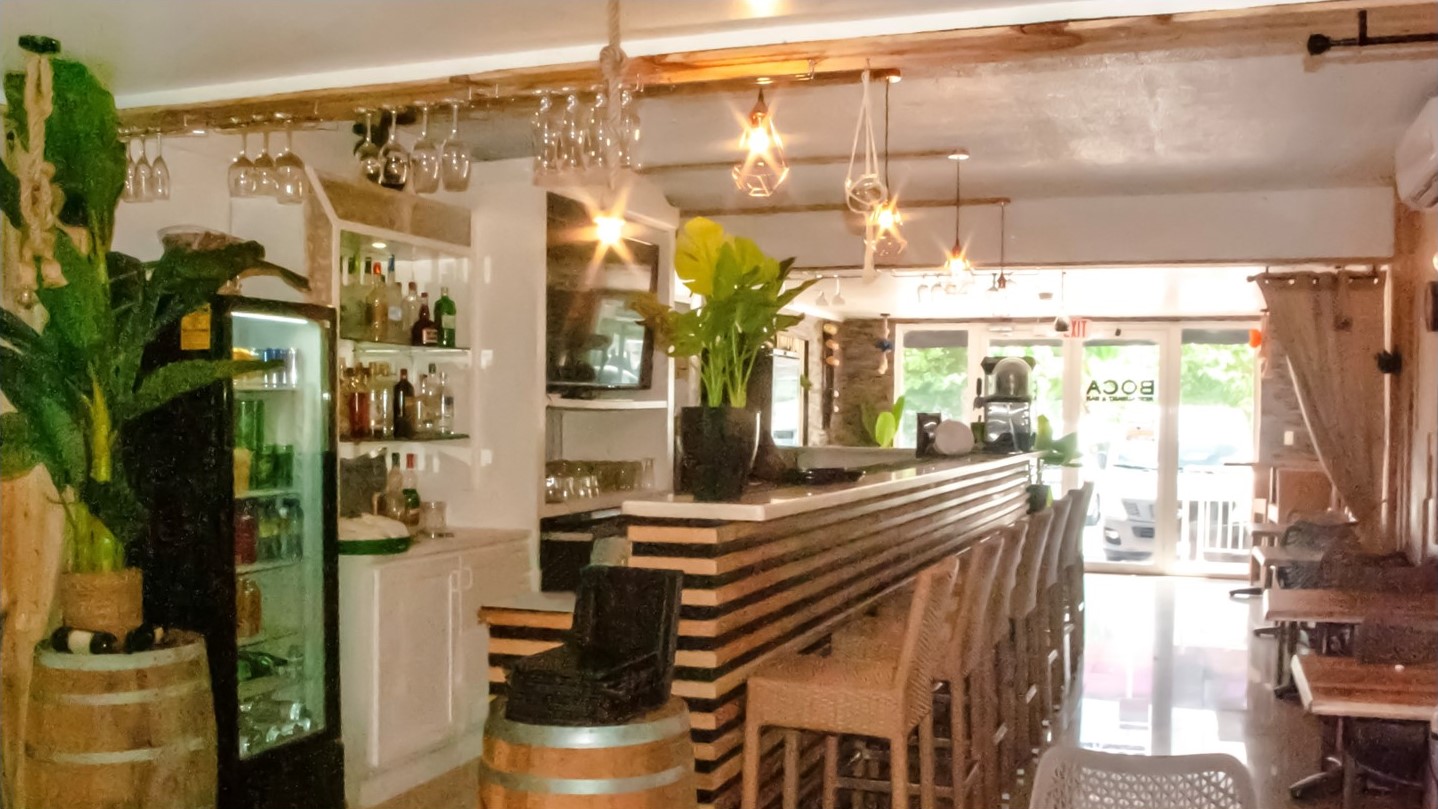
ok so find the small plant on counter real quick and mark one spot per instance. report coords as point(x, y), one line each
point(744, 293)
point(77, 377)
point(882, 426)
point(1053, 452)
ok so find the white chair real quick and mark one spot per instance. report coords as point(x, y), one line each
point(1072, 778)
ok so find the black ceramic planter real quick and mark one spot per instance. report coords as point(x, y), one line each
point(716, 450)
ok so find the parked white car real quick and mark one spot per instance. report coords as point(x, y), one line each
point(1213, 492)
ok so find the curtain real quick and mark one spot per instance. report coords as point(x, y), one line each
point(1331, 326)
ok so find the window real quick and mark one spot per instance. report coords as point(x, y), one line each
point(934, 375)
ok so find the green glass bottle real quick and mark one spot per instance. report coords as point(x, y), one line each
point(444, 315)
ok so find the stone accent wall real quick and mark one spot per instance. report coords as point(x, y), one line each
point(859, 380)
point(1278, 412)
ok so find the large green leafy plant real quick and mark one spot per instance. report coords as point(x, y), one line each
point(78, 385)
point(744, 295)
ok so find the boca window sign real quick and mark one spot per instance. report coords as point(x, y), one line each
point(1120, 390)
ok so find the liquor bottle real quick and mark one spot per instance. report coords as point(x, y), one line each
point(394, 307)
point(411, 308)
point(411, 487)
point(403, 406)
point(424, 406)
point(342, 402)
point(376, 312)
point(380, 390)
point(444, 411)
point(352, 295)
point(444, 314)
point(425, 331)
point(394, 501)
point(143, 638)
point(82, 642)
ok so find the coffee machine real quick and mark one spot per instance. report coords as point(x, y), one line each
point(1008, 407)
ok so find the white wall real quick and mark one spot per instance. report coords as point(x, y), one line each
point(1237, 227)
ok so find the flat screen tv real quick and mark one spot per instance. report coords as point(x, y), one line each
point(593, 339)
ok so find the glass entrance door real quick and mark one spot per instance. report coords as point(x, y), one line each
point(1215, 449)
point(1121, 432)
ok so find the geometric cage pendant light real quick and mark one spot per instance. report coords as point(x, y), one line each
point(764, 167)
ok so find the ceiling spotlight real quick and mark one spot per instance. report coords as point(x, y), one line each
point(764, 167)
point(959, 154)
point(378, 245)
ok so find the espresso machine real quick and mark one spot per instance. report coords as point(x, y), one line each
point(1008, 405)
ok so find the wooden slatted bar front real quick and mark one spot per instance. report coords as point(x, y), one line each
point(756, 589)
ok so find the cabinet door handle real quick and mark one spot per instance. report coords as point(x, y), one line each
point(467, 578)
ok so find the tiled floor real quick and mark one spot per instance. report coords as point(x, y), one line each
point(1171, 668)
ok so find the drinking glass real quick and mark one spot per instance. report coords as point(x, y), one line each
point(571, 132)
point(431, 518)
point(424, 156)
point(241, 173)
point(546, 129)
point(629, 134)
point(131, 190)
point(395, 171)
point(159, 171)
point(265, 182)
point(596, 139)
point(290, 170)
point(371, 166)
point(455, 171)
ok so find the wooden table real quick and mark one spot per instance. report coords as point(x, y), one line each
point(1288, 608)
point(1268, 558)
point(1343, 688)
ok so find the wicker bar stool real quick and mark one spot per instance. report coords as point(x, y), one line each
point(1025, 605)
point(834, 695)
point(1072, 558)
point(992, 669)
point(879, 637)
point(1050, 620)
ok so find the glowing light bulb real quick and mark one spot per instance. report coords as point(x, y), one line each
point(759, 141)
point(609, 229)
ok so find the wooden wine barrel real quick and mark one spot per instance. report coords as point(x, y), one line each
point(645, 764)
point(121, 731)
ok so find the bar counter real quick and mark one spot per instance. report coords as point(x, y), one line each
point(777, 572)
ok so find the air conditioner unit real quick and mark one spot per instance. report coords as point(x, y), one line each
point(1415, 164)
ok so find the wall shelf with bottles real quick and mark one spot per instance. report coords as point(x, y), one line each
point(269, 564)
point(268, 636)
point(428, 439)
point(386, 347)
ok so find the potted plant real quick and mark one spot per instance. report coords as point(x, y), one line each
point(79, 383)
point(743, 293)
point(1053, 452)
point(882, 426)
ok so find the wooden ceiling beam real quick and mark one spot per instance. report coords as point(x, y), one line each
point(820, 207)
point(1212, 34)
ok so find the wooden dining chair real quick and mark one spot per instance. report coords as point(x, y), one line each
point(1024, 607)
point(994, 671)
point(1046, 647)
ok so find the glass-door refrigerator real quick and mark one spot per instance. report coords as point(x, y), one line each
point(241, 483)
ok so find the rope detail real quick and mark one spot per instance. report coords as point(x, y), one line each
point(40, 200)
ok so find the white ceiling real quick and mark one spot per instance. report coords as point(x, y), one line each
point(182, 51)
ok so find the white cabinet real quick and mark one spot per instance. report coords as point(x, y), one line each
point(414, 673)
point(420, 661)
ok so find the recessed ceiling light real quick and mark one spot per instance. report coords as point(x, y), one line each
point(959, 154)
point(895, 77)
point(378, 245)
point(763, 80)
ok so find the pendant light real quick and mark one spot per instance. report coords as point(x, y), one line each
point(958, 260)
point(609, 221)
point(764, 167)
point(885, 221)
point(866, 191)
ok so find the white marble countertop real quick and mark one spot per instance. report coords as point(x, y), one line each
point(773, 504)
